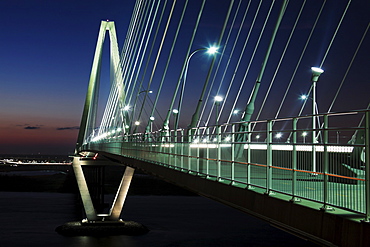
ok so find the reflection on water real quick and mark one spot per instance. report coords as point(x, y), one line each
point(30, 219)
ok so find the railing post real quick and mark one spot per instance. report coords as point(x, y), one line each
point(314, 143)
point(326, 164)
point(170, 149)
point(294, 161)
point(175, 153)
point(189, 158)
point(269, 158)
point(182, 149)
point(232, 153)
point(218, 152)
point(207, 162)
point(367, 164)
point(249, 140)
point(198, 149)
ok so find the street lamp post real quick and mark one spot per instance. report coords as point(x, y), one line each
point(210, 50)
point(175, 125)
point(134, 108)
point(151, 123)
point(257, 137)
point(304, 134)
point(195, 117)
point(218, 100)
point(316, 72)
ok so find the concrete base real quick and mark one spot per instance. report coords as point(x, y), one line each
point(101, 228)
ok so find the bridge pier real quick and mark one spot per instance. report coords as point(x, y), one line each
point(86, 196)
point(96, 223)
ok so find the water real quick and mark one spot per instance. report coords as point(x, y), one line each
point(30, 218)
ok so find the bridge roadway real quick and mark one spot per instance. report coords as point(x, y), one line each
point(309, 219)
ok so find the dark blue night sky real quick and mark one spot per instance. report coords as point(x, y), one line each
point(47, 49)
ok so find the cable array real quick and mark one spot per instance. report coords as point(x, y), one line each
point(163, 64)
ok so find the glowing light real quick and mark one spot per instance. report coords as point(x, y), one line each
point(317, 70)
point(305, 148)
point(218, 98)
point(278, 135)
point(137, 123)
point(168, 145)
point(126, 108)
point(212, 50)
point(303, 97)
point(151, 118)
point(175, 111)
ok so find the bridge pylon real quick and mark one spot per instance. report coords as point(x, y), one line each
point(89, 115)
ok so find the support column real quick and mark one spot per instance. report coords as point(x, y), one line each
point(84, 190)
point(119, 200)
point(87, 202)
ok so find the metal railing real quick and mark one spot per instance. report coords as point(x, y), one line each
point(329, 164)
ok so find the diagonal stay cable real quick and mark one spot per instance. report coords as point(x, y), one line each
point(218, 66)
point(252, 56)
point(299, 62)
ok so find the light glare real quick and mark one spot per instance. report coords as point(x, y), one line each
point(218, 98)
point(317, 70)
point(212, 50)
point(303, 97)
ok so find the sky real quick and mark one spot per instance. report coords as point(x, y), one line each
point(47, 50)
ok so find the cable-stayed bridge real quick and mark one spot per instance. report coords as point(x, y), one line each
point(260, 105)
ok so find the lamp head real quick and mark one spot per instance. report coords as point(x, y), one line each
point(303, 97)
point(212, 50)
point(218, 98)
point(175, 111)
point(316, 72)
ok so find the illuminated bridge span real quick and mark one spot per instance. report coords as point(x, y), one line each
point(245, 122)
